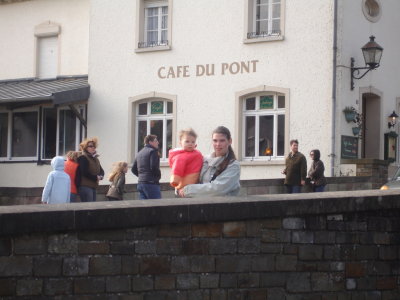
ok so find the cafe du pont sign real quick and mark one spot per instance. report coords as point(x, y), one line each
point(233, 68)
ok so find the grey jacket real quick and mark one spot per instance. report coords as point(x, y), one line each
point(225, 184)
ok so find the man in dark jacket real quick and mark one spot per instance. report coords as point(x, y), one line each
point(296, 169)
point(147, 168)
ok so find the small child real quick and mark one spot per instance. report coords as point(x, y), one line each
point(117, 179)
point(185, 162)
point(71, 167)
point(58, 184)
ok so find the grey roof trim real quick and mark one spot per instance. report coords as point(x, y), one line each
point(62, 90)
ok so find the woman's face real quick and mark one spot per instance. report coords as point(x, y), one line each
point(220, 144)
point(91, 148)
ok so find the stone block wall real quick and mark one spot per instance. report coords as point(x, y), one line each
point(329, 246)
point(20, 196)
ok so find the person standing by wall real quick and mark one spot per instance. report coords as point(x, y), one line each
point(117, 178)
point(147, 168)
point(296, 169)
point(72, 169)
point(220, 174)
point(58, 184)
point(316, 172)
point(90, 170)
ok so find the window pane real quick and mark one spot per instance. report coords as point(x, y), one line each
point(156, 127)
point(281, 101)
point(157, 107)
point(250, 136)
point(67, 132)
point(266, 136)
point(152, 37)
point(3, 134)
point(24, 134)
point(169, 107)
point(142, 132)
point(276, 26)
point(262, 2)
point(143, 109)
point(266, 102)
point(276, 11)
point(165, 10)
point(49, 133)
point(164, 36)
point(281, 135)
point(261, 26)
point(251, 104)
point(169, 136)
point(262, 12)
point(164, 22)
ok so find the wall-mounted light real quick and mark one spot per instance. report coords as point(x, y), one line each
point(392, 119)
point(372, 53)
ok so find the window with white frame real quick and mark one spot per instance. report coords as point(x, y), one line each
point(263, 126)
point(21, 133)
point(155, 24)
point(154, 117)
point(265, 19)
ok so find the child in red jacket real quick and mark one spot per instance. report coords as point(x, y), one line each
point(185, 162)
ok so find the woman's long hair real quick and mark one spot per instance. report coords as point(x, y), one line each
point(230, 157)
point(317, 154)
point(118, 169)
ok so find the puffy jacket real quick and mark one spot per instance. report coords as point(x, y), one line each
point(58, 184)
point(185, 167)
point(71, 168)
point(147, 165)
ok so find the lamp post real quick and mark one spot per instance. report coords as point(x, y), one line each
point(372, 53)
point(392, 119)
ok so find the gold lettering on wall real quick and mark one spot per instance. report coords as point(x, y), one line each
point(233, 68)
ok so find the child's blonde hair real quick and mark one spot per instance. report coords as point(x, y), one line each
point(118, 169)
point(188, 131)
point(73, 155)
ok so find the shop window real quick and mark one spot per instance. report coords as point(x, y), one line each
point(3, 134)
point(264, 20)
point(154, 25)
point(61, 132)
point(263, 126)
point(21, 133)
point(154, 116)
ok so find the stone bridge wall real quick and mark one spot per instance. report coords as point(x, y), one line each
point(339, 246)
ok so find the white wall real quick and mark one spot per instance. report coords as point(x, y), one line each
point(301, 63)
point(17, 23)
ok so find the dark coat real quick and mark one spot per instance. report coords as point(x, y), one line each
point(316, 173)
point(296, 169)
point(147, 165)
point(89, 168)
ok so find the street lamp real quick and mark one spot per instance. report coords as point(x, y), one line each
point(392, 119)
point(372, 53)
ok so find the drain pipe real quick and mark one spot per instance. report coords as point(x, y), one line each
point(333, 148)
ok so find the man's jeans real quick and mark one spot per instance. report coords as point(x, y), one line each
point(149, 191)
point(293, 189)
point(87, 194)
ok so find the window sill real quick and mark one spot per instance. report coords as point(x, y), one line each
point(153, 49)
point(263, 39)
point(276, 162)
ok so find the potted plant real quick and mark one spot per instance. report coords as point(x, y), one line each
point(349, 113)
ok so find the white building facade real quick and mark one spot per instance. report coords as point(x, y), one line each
point(269, 70)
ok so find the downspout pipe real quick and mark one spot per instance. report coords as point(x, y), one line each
point(334, 61)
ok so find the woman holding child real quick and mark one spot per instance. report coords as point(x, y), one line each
point(220, 173)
